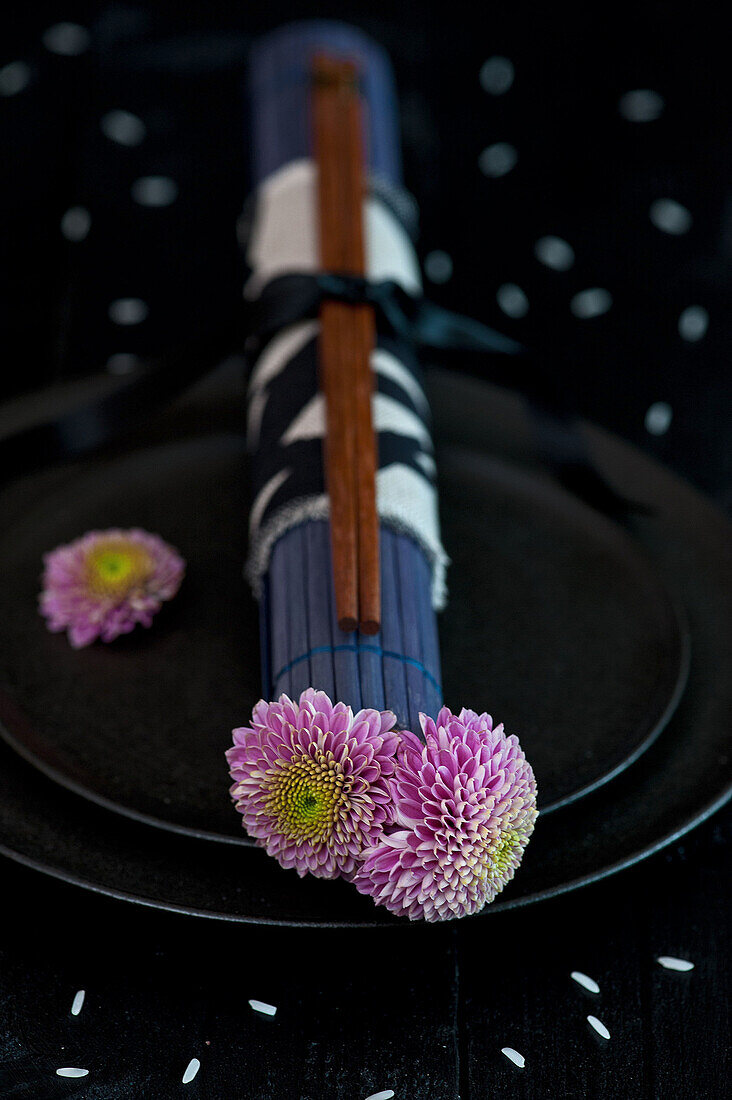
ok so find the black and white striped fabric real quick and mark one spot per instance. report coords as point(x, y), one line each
point(286, 410)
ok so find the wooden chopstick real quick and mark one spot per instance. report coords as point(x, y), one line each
point(347, 340)
point(369, 596)
point(340, 443)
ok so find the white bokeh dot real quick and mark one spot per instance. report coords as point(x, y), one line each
point(154, 191)
point(693, 323)
point(554, 252)
point(496, 75)
point(438, 266)
point(512, 300)
point(122, 362)
point(592, 302)
point(128, 311)
point(123, 127)
point(641, 105)
point(670, 216)
point(14, 77)
point(658, 418)
point(76, 223)
point(497, 159)
point(66, 39)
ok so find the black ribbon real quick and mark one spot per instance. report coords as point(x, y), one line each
point(295, 297)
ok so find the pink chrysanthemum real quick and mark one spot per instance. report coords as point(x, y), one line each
point(311, 781)
point(104, 583)
point(465, 809)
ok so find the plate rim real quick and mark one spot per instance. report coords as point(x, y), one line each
point(501, 905)
point(505, 473)
point(679, 503)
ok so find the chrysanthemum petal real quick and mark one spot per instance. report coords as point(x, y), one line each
point(107, 582)
point(465, 807)
point(311, 781)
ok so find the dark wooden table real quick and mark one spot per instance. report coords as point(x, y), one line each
point(422, 1011)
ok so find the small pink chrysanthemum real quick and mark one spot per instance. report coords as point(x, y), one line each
point(465, 807)
point(103, 584)
point(311, 781)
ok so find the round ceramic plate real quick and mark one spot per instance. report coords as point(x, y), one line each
point(147, 695)
point(550, 602)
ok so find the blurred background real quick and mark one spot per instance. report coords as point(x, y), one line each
point(570, 170)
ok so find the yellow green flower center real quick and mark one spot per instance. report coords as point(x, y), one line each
point(308, 797)
point(116, 567)
point(504, 852)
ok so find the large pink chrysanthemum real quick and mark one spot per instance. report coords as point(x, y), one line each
point(104, 583)
point(465, 809)
point(311, 781)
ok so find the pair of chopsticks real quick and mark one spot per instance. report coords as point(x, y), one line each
point(347, 338)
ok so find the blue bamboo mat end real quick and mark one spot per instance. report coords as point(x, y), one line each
point(397, 669)
point(279, 78)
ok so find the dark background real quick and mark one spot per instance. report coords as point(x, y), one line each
point(424, 1013)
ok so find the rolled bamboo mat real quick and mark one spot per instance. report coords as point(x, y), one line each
point(303, 646)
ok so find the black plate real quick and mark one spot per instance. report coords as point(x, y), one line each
point(544, 592)
point(681, 779)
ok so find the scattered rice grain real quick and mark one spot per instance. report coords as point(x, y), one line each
point(71, 1071)
point(385, 1094)
point(599, 1026)
point(672, 963)
point(585, 981)
point(191, 1070)
point(78, 1002)
point(514, 1056)
point(262, 1006)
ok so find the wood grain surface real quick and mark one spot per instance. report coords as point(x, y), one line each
point(424, 1012)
